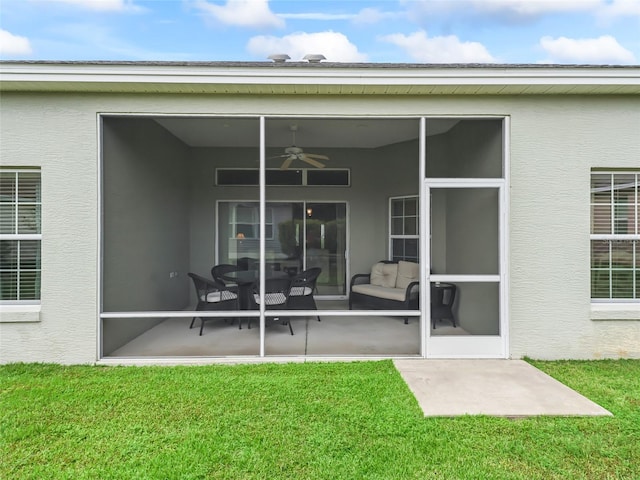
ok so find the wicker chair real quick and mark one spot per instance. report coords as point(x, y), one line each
point(303, 286)
point(212, 295)
point(276, 294)
point(218, 271)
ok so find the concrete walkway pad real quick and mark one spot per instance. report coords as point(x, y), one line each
point(505, 388)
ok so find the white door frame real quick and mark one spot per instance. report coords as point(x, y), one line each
point(468, 346)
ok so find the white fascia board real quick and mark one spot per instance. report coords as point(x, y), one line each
point(123, 76)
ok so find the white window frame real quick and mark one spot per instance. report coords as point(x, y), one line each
point(15, 236)
point(613, 237)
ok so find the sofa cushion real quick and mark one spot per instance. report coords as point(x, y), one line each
point(407, 272)
point(384, 274)
point(387, 293)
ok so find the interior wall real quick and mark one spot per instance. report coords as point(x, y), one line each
point(474, 149)
point(145, 225)
point(438, 218)
point(367, 204)
point(472, 231)
point(400, 176)
point(477, 308)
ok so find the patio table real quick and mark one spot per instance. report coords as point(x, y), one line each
point(245, 280)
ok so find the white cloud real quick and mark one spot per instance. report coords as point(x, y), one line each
point(336, 47)
point(620, 8)
point(242, 13)
point(447, 49)
point(317, 16)
point(530, 8)
point(601, 50)
point(103, 5)
point(369, 16)
point(13, 45)
point(501, 10)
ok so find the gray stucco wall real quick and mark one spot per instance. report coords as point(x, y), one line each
point(145, 225)
point(554, 142)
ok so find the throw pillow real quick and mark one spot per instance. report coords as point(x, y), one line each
point(384, 274)
point(407, 272)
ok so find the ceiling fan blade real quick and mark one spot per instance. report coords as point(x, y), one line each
point(316, 156)
point(277, 156)
point(311, 161)
point(287, 162)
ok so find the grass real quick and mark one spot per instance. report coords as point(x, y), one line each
point(298, 421)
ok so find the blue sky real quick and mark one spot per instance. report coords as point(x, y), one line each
point(421, 31)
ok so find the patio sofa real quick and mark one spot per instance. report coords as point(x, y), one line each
point(389, 286)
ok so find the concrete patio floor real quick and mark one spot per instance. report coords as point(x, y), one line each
point(505, 388)
point(444, 388)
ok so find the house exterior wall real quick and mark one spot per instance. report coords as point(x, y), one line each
point(554, 142)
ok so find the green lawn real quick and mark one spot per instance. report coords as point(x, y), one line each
point(298, 421)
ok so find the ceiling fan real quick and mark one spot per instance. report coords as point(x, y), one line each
point(296, 153)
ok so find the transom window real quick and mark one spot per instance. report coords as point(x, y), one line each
point(615, 236)
point(20, 235)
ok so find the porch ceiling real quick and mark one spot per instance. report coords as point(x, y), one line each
point(200, 131)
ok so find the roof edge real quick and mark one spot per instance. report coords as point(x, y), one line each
point(261, 77)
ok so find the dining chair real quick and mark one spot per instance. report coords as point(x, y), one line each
point(276, 293)
point(303, 286)
point(212, 295)
point(218, 271)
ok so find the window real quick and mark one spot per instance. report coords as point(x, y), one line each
point(246, 222)
point(20, 235)
point(615, 236)
point(326, 177)
point(404, 228)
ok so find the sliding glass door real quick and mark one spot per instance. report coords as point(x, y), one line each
point(298, 236)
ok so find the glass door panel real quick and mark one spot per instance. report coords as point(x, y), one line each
point(326, 244)
point(283, 242)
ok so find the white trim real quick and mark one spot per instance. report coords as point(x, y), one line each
point(424, 240)
point(20, 236)
point(505, 228)
point(20, 313)
point(613, 236)
point(465, 182)
point(100, 249)
point(263, 201)
point(615, 311)
point(230, 76)
point(472, 346)
point(444, 277)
